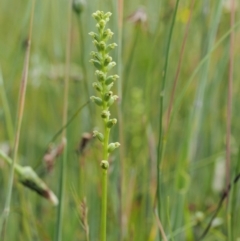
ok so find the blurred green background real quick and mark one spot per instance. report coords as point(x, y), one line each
point(193, 165)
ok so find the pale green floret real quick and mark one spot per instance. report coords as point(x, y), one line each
point(110, 47)
point(105, 114)
point(101, 46)
point(97, 100)
point(97, 86)
point(99, 135)
point(97, 15)
point(102, 23)
point(108, 87)
point(96, 63)
point(94, 36)
point(108, 95)
point(113, 146)
point(107, 60)
point(110, 79)
point(112, 100)
point(96, 55)
point(100, 75)
point(104, 165)
point(107, 15)
point(111, 122)
point(111, 65)
point(107, 34)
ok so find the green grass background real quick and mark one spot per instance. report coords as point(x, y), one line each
point(196, 140)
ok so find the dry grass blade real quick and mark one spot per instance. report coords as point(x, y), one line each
point(160, 227)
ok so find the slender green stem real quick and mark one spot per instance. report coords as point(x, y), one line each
point(21, 104)
point(59, 223)
point(229, 97)
point(161, 146)
point(233, 204)
point(104, 179)
point(130, 62)
point(229, 118)
point(104, 204)
point(9, 122)
point(119, 11)
point(58, 236)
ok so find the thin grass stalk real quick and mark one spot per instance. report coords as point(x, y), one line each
point(7, 112)
point(233, 204)
point(219, 206)
point(197, 112)
point(229, 117)
point(150, 65)
point(120, 119)
point(161, 145)
point(84, 68)
point(179, 64)
point(199, 66)
point(229, 96)
point(59, 223)
point(169, 220)
point(21, 104)
point(160, 227)
point(130, 61)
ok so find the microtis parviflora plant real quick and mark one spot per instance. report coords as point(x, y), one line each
point(103, 63)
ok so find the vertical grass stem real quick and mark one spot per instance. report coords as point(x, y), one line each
point(21, 104)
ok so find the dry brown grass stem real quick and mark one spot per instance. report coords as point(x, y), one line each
point(160, 227)
point(179, 65)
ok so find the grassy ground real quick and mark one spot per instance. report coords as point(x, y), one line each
point(193, 151)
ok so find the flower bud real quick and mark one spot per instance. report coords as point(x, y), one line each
point(108, 87)
point(100, 75)
point(94, 36)
point(101, 46)
point(78, 6)
point(112, 100)
point(111, 122)
point(96, 55)
point(113, 146)
point(107, 15)
point(99, 135)
point(104, 165)
point(105, 114)
point(97, 15)
point(96, 63)
point(108, 95)
point(110, 47)
point(97, 86)
point(102, 23)
point(110, 79)
point(97, 100)
point(107, 60)
point(111, 65)
point(107, 34)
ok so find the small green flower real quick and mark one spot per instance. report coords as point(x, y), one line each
point(99, 135)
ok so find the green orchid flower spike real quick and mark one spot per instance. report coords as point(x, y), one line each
point(103, 63)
